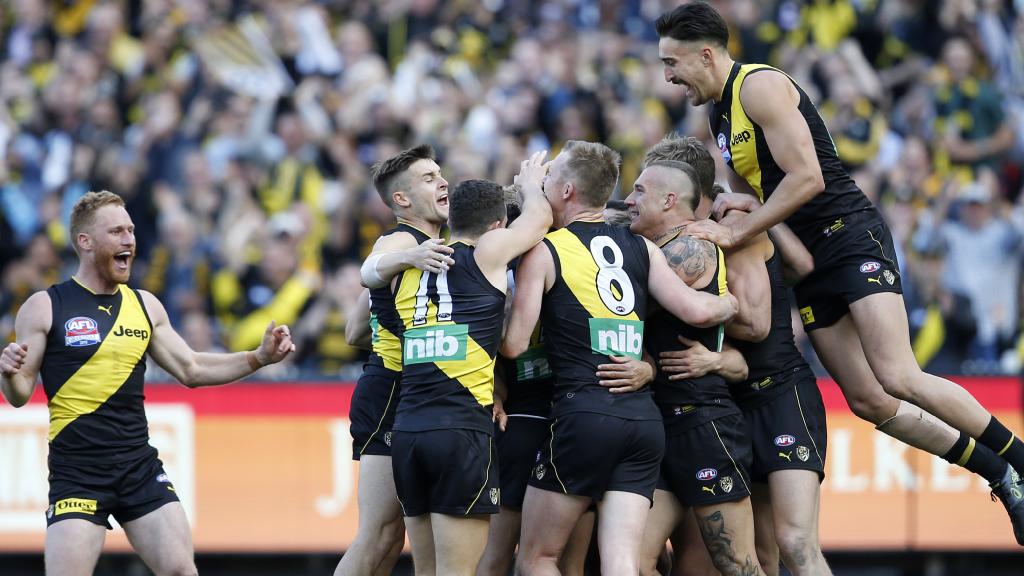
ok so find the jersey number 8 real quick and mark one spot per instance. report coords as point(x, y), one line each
point(613, 284)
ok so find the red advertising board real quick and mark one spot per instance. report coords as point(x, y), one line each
point(268, 467)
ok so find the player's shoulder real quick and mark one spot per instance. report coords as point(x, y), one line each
point(759, 90)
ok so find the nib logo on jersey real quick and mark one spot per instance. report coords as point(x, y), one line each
point(81, 331)
point(438, 343)
point(616, 337)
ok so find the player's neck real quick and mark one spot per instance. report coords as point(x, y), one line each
point(720, 73)
point(670, 229)
point(432, 230)
point(91, 281)
point(580, 214)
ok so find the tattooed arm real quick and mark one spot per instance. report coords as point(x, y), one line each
point(694, 261)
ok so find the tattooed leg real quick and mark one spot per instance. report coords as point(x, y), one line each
point(728, 532)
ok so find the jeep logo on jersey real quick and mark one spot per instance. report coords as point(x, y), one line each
point(131, 332)
point(439, 343)
point(81, 331)
point(617, 337)
point(705, 474)
point(783, 440)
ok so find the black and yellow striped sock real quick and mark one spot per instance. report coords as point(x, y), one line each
point(975, 457)
point(1004, 443)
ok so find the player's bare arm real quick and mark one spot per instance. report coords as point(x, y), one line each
point(770, 100)
point(748, 281)
point(693, 260)
point(695, 360)
point(357, 326)
point(21, 360)
point(194, 369)
point(399, 251)
point(698, 309)
point(535, 275)
point(797, 262)
point(496, 248)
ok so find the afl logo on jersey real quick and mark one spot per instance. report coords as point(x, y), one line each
point(723, 147)
point(81, 331)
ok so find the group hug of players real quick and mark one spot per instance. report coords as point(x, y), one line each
point(699, 403)
point(649, 373)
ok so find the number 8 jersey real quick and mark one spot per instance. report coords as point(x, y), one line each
point(452, 327)
point(595, 309)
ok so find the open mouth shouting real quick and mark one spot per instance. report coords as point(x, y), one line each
point(442, 200)
point(122, 260)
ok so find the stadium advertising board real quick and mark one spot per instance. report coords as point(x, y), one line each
point(267, 467)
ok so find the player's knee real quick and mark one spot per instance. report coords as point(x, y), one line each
point(796, 546)
point(875, 406)
point(768, 558)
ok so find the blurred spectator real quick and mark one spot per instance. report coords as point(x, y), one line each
point(981, 247)
point(274, 288)
point(241, 133)
point(320, 332)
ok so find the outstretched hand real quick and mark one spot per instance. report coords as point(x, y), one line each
point(276, 346)
point(532, 171)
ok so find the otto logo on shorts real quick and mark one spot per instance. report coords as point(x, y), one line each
point(613, 337)
point(81, 331)
point(79, 505)
point(706, 474)
point(869, 267)
point(783, 440)
point(440, 343)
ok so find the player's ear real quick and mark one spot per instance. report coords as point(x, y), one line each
point(670, 200)
point(84, 241)
point(399, 198)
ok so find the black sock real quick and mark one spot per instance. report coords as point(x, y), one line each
point(975, 457)
point(1004, 443)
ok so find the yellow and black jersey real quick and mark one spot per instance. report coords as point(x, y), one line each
point(451, 331)
point(93, 372)
point(530, 381)
point(744, 148)
point(777, 353)
point(595, 309)
point(688, 403)
point(385, 325)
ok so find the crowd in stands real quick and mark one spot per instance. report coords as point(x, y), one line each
point(241, 132)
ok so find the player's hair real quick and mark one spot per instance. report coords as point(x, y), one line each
point(693, 21)
point(389, 175)
point(716, 189)
point(594, 169)
point(685, 168)
point(620, 214)
point(690, 150)
point(512, 206)
point(473, 206)
point(85, 209)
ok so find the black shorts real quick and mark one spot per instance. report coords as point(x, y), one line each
point(709, 463)
point(372, 413)
point(590, 454)
point(853, 258)
point(452, 471)
point(93, 491)
point(519, 450)
point(789, 432)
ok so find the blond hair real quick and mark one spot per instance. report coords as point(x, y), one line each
point(594, 169)
point(86, 207)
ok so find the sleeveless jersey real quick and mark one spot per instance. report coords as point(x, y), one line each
point(595, 308)
point(774, 356)
point(93, 372)
point(530, 381)
point(744, 148)
point(386, 327)
point(452, 327)
point(685, 404)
